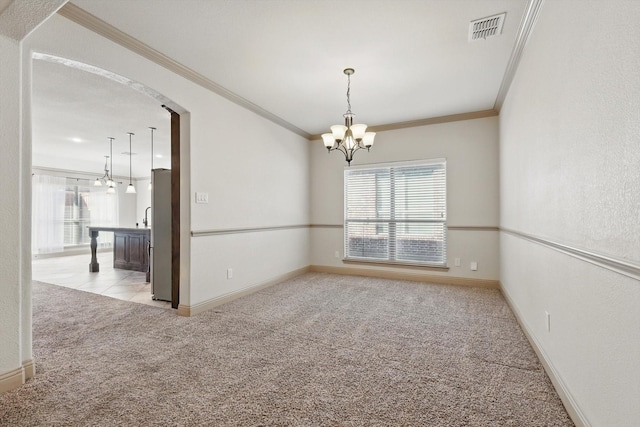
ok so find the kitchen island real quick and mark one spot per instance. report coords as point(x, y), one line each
point(130, 248)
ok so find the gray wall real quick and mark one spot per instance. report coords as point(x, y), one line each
point(471, 150)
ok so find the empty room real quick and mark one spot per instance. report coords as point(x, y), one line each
point(322, 212)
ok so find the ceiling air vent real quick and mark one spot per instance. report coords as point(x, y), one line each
point(482, 29)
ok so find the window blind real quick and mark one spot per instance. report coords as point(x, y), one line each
point(76, 213)
point(396, 213)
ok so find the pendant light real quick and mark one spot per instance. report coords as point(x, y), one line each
point(130, 188)
point(348, 138)
point(110, 183)
point(151, 177)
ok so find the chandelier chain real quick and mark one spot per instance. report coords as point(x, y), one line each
point(348, 93)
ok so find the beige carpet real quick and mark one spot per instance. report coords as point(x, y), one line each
point(318, 350)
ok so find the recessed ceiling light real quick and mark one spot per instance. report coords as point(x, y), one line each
point(159, 156)
point(78, 140)
point(127, 153)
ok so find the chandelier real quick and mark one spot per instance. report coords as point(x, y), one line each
point(107, 179)
point(104, 179)
point(348, 138)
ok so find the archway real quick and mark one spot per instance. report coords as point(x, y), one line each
point(158, 101)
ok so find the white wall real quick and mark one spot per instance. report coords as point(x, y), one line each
point(10, 229)
point(127, 204)
point(261, 179)
point(471, 150)
point(224, 148)
point(570, 174)
point(17, 19)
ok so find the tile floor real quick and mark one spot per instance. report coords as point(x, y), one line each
point(73, 272)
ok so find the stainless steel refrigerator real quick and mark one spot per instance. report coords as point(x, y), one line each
point(161, 234)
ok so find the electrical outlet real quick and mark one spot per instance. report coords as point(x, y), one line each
point(456, 262)
point(337, 254)
point(229, 273)
point(474, 266)
point(547, 317)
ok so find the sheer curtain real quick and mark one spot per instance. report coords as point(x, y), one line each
point(104, 213)
point(47, 219)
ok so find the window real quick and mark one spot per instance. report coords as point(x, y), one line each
point(87, 205)
point(396, 213)
point(63, 208)
point(77, 216)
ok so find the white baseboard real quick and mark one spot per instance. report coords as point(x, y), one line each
point(404, 275)
point(29, 369)
point(12, 379)
point(192, 310)
point(574, 411)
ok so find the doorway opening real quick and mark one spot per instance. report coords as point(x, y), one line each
point(76, 107)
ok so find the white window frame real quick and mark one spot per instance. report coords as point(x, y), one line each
point(426, 245)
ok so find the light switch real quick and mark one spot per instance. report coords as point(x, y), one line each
point(202, 197)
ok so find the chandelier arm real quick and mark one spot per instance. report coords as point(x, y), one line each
point(357, 148)
point(340, 148)
point(348, 153)
point(345, 152)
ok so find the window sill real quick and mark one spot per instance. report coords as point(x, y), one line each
point(402, 264)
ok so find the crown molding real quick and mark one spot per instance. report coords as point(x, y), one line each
point(98, 26)
point(428, 121)
point(95, 24)
point(526, 28)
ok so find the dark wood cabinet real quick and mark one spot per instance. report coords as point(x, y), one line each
point(131, 250)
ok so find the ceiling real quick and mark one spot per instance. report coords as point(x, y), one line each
point(74, 112)
point(412, 59)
